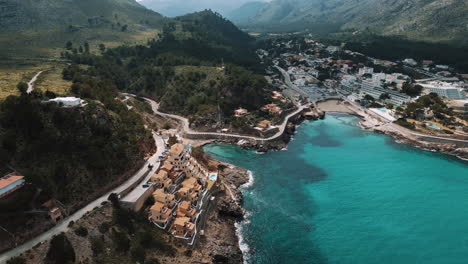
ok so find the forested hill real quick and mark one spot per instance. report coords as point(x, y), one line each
point(183, 69)
point(210, 26)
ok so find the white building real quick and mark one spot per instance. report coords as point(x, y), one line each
point(410, 62)
point(348, 80)
point(333, 49)
point(442, 67)
point(397, 78)
point(366, 70)
point(396, 98)
point(67, 101)
point(452, 91)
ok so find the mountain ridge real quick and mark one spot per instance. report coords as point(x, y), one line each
point(415, 19)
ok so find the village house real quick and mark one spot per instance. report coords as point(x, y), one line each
point(182, 227)
point(160, 213)
point(240, 112)
point(263, 125)
point(53, 211)
point(277, 95)
point(272, 109)
point(185, 210)
point(167, 199)
point(190, 190)
point(10, 183)
point(161, 179)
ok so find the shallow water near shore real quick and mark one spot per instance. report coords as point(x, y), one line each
point(339, 194)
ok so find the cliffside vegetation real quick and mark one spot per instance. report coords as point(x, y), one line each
point(71, 153)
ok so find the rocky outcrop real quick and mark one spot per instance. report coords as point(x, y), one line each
point(220, 241)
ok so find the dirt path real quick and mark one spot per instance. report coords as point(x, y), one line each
point(32, 81)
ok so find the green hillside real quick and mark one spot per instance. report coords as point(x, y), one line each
point(37, 29)
point(416, 19)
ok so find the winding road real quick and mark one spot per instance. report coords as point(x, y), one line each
point(188, 131)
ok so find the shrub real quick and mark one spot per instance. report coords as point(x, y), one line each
point(16, 260)
point(138, 254)
point(97, 246)
point(81, 231)
point(60, 250)
point(121, 241)
point(104, 227)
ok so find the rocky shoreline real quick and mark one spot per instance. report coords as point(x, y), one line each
point(220, 241)
point(449, 149)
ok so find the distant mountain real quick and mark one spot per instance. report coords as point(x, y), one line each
point(417, 19)
point(173, 8)
point(29, 14)
point(33, 28)
point(246, 12)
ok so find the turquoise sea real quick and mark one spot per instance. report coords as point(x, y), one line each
point(339, 194)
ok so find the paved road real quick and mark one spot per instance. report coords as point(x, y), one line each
point(139, 189)
point(186, 125)
point(32, 81)
point(63, 225)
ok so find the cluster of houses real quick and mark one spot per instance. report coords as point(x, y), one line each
point(265, 127)
point(358, 79)
point(183, 186)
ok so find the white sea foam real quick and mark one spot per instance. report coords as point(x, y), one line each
point(250, 182)
point(244, 247)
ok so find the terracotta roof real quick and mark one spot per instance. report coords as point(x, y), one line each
point(9, 179)
point(160, 175)
point(184, 205)
point(167, 166)
point(189, 182)
point(183, 189)
point(158, 206)
point(181, 221)
point(264, 124)
point(177, 148)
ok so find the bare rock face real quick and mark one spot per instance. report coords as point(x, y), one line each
point(229, 208)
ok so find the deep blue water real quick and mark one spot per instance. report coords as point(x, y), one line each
point(343, 195)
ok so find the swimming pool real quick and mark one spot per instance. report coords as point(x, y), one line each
point(433, 126)
point(382, 110)
point(213, 177)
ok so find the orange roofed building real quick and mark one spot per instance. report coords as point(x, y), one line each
point(240, 112)
point(10, 183)
point(183, 227)
point(186, 210)
point(167, 199)
point(160, 213)
point(272, 109)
